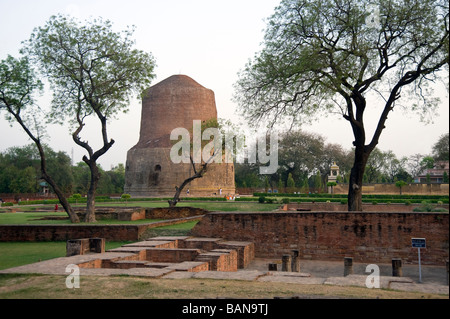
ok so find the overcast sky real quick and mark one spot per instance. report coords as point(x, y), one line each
point(208, 40)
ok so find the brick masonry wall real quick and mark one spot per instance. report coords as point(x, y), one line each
point(338, 207)
point(66, 232)
point(367, 237)
point(174, 212)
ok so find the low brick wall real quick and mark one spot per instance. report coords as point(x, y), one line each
point(338, 207)
point(174, 212)
point(66, 232)
point(74, 231)
point(173, 255)
point(366, 236)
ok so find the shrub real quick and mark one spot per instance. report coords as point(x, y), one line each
point(7, 204)
point(408, 202)
point(286, 200)
point(374, 202)
point(261, 199)
point(344, 202)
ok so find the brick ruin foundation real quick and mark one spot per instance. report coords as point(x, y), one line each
point(176, 253)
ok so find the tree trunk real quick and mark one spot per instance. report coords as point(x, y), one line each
point(176, 198)
point(92, 161)
point(90, 205)
point(204, 167)
point(61, 197)
point(356, 179)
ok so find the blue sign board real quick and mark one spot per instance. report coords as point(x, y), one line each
point(418, 243)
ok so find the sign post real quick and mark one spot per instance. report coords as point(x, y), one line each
point(419, 243)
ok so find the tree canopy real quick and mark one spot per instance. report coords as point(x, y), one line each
point(93, 71)
point(324, 56)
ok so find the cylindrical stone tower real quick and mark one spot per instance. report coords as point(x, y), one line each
point(172, 103)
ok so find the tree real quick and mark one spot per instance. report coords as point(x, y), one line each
point(18, 159)
point(290, 183)
point(374, 166)
point(427, 162)
point(200, 170)
point(415, 164)
point(281, 185)
point(126, 197)
point(93, 72)
point(340, 54)
point(445, 177)
point(441, 148)
point(331, 185)
point(77, 197)
point(400, 184)
point(17, 85)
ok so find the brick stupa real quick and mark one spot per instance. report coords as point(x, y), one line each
point(174, 102)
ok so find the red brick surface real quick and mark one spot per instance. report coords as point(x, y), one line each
point(366, 236)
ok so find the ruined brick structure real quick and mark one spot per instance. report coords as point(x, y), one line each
point(174, 102)
point(370, 237)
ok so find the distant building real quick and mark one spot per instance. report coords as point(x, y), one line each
point(44, 189)
point(433, 175)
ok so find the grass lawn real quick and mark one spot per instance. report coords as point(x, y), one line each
point(36, 219)
point(17, 286)
point(211, 206)
point(13, 254)
point(27, 217)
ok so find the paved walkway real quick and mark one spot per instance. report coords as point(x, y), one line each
point(434, 278)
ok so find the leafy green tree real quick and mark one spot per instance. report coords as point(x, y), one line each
point(331, 184)
point(23, 180)
point(58, 163)
point(441, 148)
point(17, 85)
point(428, 162)
point(126, 197)
point(445, 177)
point(332, 55)
point(305, 185)
point(318, 181)
point(400, 184)
point(93, 72)
point(281, 185)
point(77, 197)
point(290, 183)
point(247, 174)
point(266, 183)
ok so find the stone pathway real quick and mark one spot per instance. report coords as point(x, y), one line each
point(323, 273)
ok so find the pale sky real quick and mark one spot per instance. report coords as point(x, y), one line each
point(208, 40)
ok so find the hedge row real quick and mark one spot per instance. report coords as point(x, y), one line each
point(319, 198)
point(286, 200)
point(368, 196)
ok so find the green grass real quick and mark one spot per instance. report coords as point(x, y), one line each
point(182, 229)
point(35, 219)
point(14, 254)
point(28, 217)
point(211, 206)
